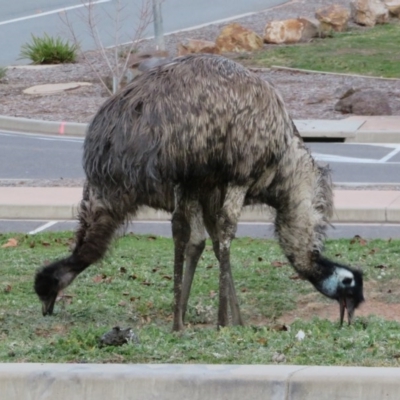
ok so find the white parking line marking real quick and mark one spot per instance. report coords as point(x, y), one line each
point(10, 21)
point(42, 227)
point(390, 155)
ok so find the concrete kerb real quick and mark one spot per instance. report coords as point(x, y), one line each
point(346, 130)
point(40, 126)
point(177, 381)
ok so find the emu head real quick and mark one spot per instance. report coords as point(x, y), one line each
point(341, 283)
point(47, 288)
point(50, 280)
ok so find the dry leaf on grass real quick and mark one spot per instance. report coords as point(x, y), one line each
point(10, 243)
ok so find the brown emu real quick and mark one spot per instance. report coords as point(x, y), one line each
point(202, 136)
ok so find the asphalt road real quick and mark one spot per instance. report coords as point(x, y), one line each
point(163, 228)
point(24, 156)
point(20, 19)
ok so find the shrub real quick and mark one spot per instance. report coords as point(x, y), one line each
point(3, 72)
point(49, 50)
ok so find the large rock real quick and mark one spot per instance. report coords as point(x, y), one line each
point(364, 102)
point(369, 12)
point(191, 46)
point(333, 18)
point(394, 7)
point(236, 38)
point(291, 30)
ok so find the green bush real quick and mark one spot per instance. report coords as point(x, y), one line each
point(3, 72)
point(49, 50)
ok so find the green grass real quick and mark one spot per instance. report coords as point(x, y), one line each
point(373, 51)
point(49, 50)
point(132, 287)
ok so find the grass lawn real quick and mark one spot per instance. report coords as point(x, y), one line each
point(132, 287)
point(372, 51)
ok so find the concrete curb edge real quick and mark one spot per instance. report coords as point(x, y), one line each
point(177, 381)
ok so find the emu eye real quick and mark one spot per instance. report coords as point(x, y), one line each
point(347, 281)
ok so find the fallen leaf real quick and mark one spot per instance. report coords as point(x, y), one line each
point(338, 255)
point(259, 258)
point(99, 278)
point(151, 237)
point(294, 277)
point(243, 290)
point(133, 298)
point(167, 277)
point(8, 288)
point(373, 251)
point(32, 245)
point(155, 269)
point(209, 266)
point(132, 277)
point(262, 341)
point(380, 266)
point(280, 328)
point(46, 244)
point(122, 270)
point(125, 294)
point(122, 303)
point(10, 243)
point(278, 264)
point(358, 239)
point(145, 283)
point(212, 294)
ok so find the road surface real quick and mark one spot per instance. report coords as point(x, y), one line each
point(19, 19)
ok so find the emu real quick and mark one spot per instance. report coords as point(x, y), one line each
point(202, 136)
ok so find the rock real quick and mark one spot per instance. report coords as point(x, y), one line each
point(344, 91)
point(197, 46)
point(236, 38)
point(118, 337)
point(278, 358)
point(369, 12)
point(291, 30)
point(364, 102)
point(333, 18)
point(51, 88)
point(393, 7)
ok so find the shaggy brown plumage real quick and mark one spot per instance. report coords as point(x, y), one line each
point(202, 136)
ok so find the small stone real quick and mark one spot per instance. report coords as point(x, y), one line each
point(278, 358)
point(118, 337)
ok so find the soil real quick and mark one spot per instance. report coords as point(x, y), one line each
point(382, 299)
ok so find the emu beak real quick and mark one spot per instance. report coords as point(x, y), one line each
point(48, 305)
point(346, 303)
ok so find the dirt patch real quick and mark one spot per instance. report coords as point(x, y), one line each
point(383, 300)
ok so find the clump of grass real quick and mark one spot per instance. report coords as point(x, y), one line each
point(49, 50)
point(3, 72)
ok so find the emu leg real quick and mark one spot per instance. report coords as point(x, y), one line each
point(226, 225)
point(233, 300)
point(181, 236)
point(97, 224)
point(194, 250)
